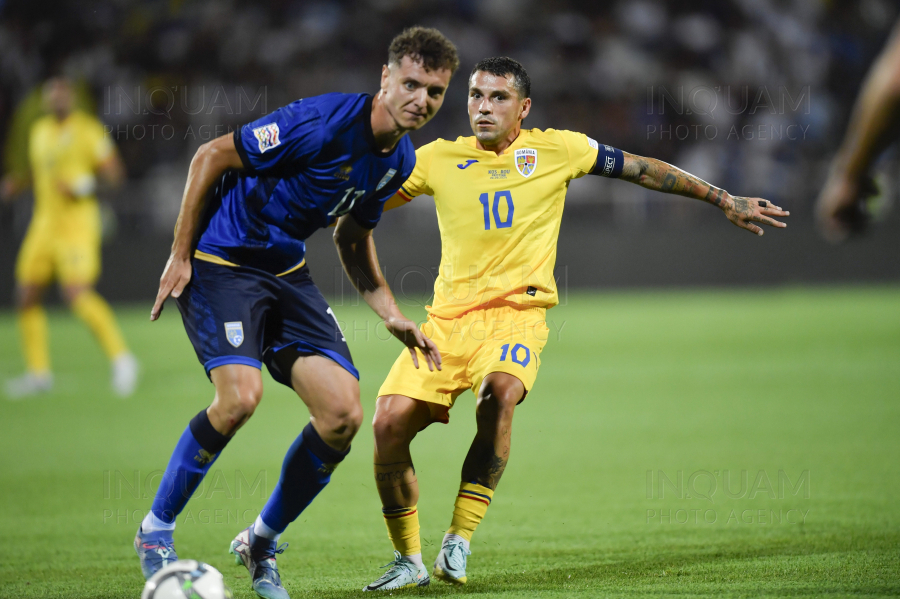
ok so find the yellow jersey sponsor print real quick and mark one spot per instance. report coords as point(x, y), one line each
point(499, 216)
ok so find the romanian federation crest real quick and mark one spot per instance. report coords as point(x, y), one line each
point(268, 136)
point(234, 332)
point(526, 161)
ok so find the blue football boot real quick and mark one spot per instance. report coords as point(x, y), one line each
point(155, 549)
point(258, 555)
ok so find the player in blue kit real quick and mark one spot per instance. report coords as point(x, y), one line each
point(239, 275)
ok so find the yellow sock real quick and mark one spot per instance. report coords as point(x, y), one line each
point(33, 327)
point(403, 529)
point(471, 505)
point(96, 313)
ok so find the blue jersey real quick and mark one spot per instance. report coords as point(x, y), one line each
point(305, 165)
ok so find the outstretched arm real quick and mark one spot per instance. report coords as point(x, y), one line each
point(660, 176)
point(211, 160)
point(356, 248)
point(873, 125)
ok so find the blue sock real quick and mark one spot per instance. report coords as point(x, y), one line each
point(306, 470)
point(195, 453)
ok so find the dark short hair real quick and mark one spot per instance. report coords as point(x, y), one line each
point(427, 45)
point(504, 67)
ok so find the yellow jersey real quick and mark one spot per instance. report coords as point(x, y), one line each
point(499, 216)
point(65, 151)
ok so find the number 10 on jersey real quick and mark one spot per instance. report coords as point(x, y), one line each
point(498, 195)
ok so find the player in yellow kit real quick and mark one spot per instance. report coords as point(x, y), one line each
point(499, 198)
point(67, 150)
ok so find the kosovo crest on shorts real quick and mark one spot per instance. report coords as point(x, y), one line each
point(526, 161)
point(234, 332)
point(268, 136)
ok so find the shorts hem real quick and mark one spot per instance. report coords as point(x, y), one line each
point(20, 280)
point(224, 360)
point(418, 394)
point(304, 347)
point(501, 371)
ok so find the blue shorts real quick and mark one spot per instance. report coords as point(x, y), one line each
point(241, 315)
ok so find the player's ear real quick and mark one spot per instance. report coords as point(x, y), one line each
point(385, 75)
point(526, 108)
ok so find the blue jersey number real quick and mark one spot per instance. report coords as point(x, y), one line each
point(342, 208)
point(500, 224)
point(516, 354)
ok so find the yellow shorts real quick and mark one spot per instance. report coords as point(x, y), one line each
point(68, 250)
point(495, 339)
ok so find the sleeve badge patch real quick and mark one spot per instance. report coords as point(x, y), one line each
point(526, 161)
point(268, 136)
point(593, 143)
point(387, 177)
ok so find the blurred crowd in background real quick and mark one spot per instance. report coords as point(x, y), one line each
point(752, 95)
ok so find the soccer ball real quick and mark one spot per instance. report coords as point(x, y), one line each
point(186, 579)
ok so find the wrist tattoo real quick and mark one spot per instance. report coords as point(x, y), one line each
point(714, 196)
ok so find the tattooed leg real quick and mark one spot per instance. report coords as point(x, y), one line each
point(397, 420)
point(489, 452)
point(397, 484)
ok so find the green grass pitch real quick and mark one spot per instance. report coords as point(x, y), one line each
point(695, 443)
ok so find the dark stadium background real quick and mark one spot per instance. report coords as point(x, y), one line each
point(167, 75)
point(717, 352)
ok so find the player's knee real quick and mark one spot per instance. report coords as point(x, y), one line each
point(24, 303)
point(247, 401)
point(388, 429)
point(240, 396)
point(250, 394)
point(342, 423)
point(28, 296)
point(71, 293)
point(498, 400)
point(349, 420)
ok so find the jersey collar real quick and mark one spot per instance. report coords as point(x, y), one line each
point(524, 134)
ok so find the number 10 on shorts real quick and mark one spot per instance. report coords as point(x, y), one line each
point(520, 354)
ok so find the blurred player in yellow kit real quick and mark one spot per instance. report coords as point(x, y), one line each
point(67, 150)
point(499, 198)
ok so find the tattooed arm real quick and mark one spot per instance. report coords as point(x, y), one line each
point(659, 176)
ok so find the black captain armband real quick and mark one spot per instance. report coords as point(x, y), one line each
point(609, 163)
